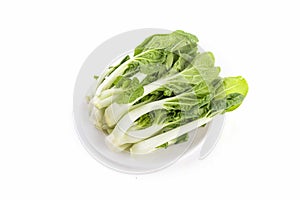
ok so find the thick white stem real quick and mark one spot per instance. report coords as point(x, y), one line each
point(98, 103)
point(115, 111)
point(109, 92)
point(146, 132)
point(127, 120)
point(136, 136)
point(149, 145)
point(108, 81)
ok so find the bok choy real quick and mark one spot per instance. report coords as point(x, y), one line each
point(154, 98)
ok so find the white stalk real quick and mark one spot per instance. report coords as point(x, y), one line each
point(146, 132)
point(110, 92)
point(98, 103)
point(138, 135)
point(108, 81)
point(115, 111)
point(149, 145)
point(127, 120)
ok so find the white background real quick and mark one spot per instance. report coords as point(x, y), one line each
point(42, 47)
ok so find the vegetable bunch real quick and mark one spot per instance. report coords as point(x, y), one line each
point(166, 89)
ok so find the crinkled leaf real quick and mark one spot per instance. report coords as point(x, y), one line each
point(178, 42)
point(132, 89)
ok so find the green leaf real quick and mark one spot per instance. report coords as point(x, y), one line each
point(236, 85)
point(204, 60)
point(132, 89)
point(178, 42)
point(233, 101)
point(236, 88)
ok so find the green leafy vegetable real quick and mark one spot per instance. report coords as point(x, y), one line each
point(153, 99)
